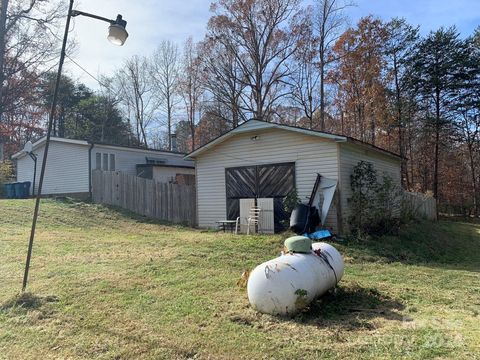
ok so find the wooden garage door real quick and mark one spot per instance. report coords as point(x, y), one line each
point(261, 181)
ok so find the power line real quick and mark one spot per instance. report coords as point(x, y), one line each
point(89, 74)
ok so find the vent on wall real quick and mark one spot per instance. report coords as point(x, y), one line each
point(155, 161)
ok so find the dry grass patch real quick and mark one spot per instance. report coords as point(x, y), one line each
point(110, 285)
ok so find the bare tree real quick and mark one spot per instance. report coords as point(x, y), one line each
point(223, 80)
point(165, 67)
point(191, 85)
point(260, 34)
point(29, 42)
point(134, 83)
point(28, 48)
point(329, 21)
point(305, 75)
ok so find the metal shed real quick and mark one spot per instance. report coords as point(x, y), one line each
point(266, 160)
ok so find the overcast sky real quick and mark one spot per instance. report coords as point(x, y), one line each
point(150, 21)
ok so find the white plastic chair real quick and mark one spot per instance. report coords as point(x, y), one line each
point(254, 218)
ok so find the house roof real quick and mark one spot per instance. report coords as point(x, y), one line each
point(165, 166)
point(41, 141)
point(256, 125)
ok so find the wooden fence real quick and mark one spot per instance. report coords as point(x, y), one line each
point(420, 205)
point(170, 202)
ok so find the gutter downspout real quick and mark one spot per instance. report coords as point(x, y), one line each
point(34, 158)
point(90, 171)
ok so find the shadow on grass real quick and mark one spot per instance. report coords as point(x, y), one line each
point(124, 213)
point(460, 218)
point(446, 245)
point(26, 301)
point(351, 307)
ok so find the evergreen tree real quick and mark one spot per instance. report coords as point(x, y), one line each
point(436, 71)
point(401, 40)
point(81, 114)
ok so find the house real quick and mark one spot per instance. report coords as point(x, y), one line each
point(266, 160)
point(69, 161)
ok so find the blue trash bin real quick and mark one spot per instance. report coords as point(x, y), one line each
point(22, 189)
point(26, 189)
point(9, 191)
point(27, 185)
point(18, 188)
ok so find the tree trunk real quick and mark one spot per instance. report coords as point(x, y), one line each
point(399, 124)
point(192, 119)
point(143, 134)
point(234, 115)
point(476, 195)
point(437, 145)
point(169, 122)
point(322, 93)
point(61, 122)
point(3, 21)
point(373, 129)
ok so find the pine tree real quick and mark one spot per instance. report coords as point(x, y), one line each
point(436, 68)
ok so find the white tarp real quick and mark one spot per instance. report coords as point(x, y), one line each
point(327, 190)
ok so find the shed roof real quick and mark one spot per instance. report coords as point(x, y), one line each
point(42, 140)
point(256, 125)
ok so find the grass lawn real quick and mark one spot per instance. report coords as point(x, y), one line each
point(106, 285)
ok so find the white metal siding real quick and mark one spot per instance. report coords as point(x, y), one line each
point(167, 174)
point(66, 171)
point(127, 159)
point(310, 154)
point(67, 165)
point(350, 155)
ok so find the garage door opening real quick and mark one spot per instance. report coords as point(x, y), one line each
point(260, 181)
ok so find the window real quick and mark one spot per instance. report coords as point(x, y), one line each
point(112, 162)
point(98, 164)
point(105, 162)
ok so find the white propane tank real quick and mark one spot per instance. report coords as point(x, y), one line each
point(288, 283)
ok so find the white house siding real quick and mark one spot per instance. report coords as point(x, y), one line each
point(310, 154)
point(66, 171)
point(67, 164)
point(168, 174)
point(349, 156)
point(126, 159)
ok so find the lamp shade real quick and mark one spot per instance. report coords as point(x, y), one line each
point(28, 147)
point(117, 34)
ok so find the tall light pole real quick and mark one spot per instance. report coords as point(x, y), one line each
point(117, 35)
point(3, 24)
point(28, 149)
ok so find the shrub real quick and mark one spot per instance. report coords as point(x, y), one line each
point(289, 203)
point(374, 204)
point(6, 174)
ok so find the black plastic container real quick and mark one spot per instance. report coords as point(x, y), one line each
point(304, 219)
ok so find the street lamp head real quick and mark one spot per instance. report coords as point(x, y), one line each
point(28, 147)
point(116, 31)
